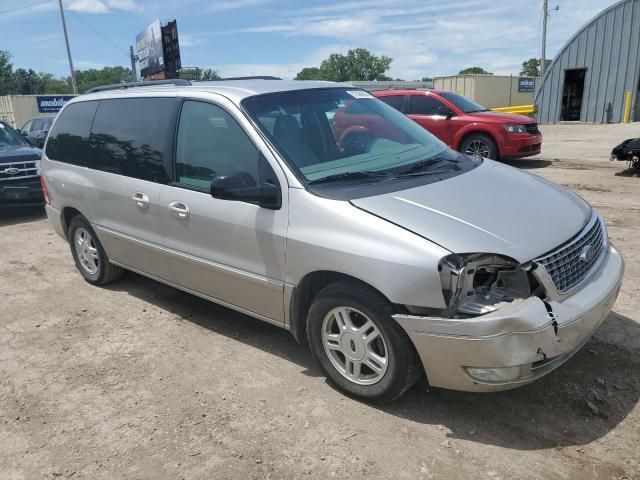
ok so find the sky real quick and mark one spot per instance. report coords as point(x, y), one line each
point(280, 37)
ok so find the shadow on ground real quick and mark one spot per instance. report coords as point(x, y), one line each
point(629, 172)
point(528, 164)
point(14, 215)
point(575, 405)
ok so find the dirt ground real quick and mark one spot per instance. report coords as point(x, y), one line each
point(141, 381)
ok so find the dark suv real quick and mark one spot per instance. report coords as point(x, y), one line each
point(19, 169)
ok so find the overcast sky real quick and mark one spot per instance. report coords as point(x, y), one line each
point(279, 37)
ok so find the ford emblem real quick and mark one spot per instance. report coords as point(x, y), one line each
point(12, 171)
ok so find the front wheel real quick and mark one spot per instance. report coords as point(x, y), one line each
point(360, 348)
point(479, 145)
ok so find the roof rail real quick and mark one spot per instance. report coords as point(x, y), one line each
point(257, 77)
point(180, 82)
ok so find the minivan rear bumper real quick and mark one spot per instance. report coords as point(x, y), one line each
point(516, 344)
point(54, 217)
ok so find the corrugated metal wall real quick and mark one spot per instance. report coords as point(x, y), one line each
point(390, 85)
point(608, 47)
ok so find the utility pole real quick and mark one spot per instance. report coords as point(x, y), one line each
point(133, 63)
point(545, 16)
point(66, 41)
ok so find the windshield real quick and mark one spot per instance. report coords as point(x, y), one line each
point(463, 103)
point(343, 135)
point(9, 138)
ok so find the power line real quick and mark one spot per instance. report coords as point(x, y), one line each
point(114, 45)
point(17, 9)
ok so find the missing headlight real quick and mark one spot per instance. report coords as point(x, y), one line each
point(479, 283)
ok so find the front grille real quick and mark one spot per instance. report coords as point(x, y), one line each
point(19, 170)
point(569, 264)
point(532, 128)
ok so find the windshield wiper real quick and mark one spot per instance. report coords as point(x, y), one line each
point(347, 176)
point(421, 167)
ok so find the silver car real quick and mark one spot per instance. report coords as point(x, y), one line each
point(317, 208)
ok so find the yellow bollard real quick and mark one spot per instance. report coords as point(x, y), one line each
point(627, 107)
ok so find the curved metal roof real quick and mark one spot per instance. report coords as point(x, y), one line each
point(607, 47)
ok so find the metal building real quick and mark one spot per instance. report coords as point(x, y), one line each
point(595, 76)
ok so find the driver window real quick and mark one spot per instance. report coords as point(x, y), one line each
point(27, 127)
point(211, 143)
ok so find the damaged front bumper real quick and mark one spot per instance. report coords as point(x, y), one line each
point(518, 343)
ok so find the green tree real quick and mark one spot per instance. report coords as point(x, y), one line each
point(426, 79)
point(196, 73)
point(474, 71)
point(93, 77)
point(6, 72)
point(358, 64)
point(531, 67)
point(309, 73)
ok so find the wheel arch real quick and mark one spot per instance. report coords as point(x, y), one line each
point(306, 290)
point(67, 215)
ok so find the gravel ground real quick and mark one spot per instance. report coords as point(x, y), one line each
point(138, 380)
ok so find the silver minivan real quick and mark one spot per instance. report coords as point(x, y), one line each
point(317, 208)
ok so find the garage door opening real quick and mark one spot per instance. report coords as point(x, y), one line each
point(572, 94)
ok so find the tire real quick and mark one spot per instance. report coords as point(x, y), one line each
point(370, 313)
point(479, 144)
point(89, 255)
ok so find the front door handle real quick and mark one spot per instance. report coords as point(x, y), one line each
point(179, 209)
point(141, 199)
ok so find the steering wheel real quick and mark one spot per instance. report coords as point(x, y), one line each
point(356, 143)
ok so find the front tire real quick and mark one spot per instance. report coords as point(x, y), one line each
point(89, 255)
point(479, 145)
point(360, 348)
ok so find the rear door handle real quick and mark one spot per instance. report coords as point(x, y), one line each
point(179, 209)
point(141, 199)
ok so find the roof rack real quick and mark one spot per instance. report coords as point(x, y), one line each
point(257, 77)
point(180, 82)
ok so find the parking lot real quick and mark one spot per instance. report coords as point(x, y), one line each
point(138, 380)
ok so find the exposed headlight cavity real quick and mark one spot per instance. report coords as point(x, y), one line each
point(479, 283)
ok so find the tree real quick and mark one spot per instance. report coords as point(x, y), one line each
point(309, 73)
point(474, 71)
point(6, 72)
point(199, 74)
point(357, 65)
point(426, 79)
point(531, 67)
point(93, 77)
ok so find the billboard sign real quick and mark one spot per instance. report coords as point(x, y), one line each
point(526, 84)
point(149, 50)
point(52, 103)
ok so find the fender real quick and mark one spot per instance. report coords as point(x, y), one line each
point(473, 128)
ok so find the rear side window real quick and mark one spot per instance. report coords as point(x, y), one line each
point(394, 101)
point(423, 105)
point(130, 136)
point(69, 139)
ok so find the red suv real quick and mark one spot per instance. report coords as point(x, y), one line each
point(466, 126)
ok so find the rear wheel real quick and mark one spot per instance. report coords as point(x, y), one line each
point(479, 145)
point(360, 348)
point(89, 255)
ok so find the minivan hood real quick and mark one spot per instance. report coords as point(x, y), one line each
point(493, 208)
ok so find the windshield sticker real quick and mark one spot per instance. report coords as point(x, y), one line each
point(359, 94)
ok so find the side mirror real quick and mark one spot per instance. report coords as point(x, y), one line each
point(446, 112)
point(241, 186)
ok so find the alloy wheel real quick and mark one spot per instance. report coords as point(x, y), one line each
point(86, 251)
point(478, 148)
point(354, 345)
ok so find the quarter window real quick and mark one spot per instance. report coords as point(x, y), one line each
point(130, 137)
point(211, 143)
point(424, 105)
point(69, 139)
